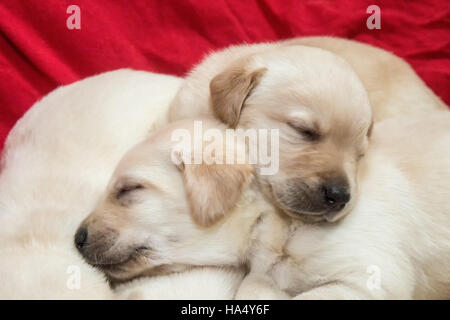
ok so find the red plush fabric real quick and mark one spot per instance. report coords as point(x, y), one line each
point(38, 52)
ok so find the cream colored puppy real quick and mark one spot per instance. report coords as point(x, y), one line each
point(56, 163)
point(315, 100)
point(395, 244)
point(158, 217)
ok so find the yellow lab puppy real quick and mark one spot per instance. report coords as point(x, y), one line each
point(316, 102)
point(159, 217)
point(57, 161)
point(310, 90)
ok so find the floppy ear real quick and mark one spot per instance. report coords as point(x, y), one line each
point(213, 190)
point(229, 90)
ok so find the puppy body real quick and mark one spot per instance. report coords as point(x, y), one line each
point(394, 245)
point(154, 217)
point(55, 165)
point(288, 85)
point(369, 254)
point(198, 283)
point(394, 89)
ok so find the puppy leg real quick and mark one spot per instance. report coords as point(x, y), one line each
point(332, 291)
point(258, 286)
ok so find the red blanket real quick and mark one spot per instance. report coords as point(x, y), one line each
point(38, 52)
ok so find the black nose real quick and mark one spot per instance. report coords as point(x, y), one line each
point(80, 238)
point(336, 195)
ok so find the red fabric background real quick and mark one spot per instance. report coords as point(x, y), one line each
point(38, 52)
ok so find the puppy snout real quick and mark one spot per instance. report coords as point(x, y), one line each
point(97, 245)
point(81, 237)
point(336, 194)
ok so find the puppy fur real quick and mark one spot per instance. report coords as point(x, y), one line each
point(56, 163)
point(195, 284)
point(55, 166)
point(393, 87)
point(315, 100)
point(394, 245)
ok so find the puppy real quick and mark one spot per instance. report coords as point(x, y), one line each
point(395, 244)
point(312, 97)
point(158, 217)
point(143, 226)
point(56, 163)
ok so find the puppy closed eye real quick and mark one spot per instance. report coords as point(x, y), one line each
point(125, 190)
point(309, 134)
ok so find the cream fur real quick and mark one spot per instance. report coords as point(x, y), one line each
point(292, 88)
point(393, 87)
point(56, 164)
point(195, 284)
point(48, 157)
point(57, 161)
point(399, 228)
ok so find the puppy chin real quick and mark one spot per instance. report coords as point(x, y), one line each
point(295, 213)
point(334, 216)
point(304, 214)
point(308, 218)
point(312, 217)
point(133, 267)
point(137, 269)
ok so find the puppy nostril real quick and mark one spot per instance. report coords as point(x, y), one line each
point(80, 238)
point(336, 196)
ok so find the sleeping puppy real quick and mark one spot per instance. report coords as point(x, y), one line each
point(56, 164)
point(317, 103)
point(312, 97)
point(158, 217)
point(57, 161)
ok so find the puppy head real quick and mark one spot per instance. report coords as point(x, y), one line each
point(323, 115)
point(158, 216)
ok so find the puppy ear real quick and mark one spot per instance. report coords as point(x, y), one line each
point(213, 190)
point(229, 90)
